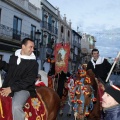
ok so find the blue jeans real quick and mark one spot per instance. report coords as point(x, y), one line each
point(18, 101)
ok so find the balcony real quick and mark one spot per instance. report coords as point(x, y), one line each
point(26, 7)
point(49, 27)
point(76, 44)
point(10, 34)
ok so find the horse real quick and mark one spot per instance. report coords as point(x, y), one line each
point(48, 96)
point(51, 100)
point(84, 97)
point(80, 93)
point(44, 107)
point(98, 87)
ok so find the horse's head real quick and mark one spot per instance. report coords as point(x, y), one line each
point(90, 77)
point(86, 96)
point(84, 66)
point(90, 73)
point(80, 74)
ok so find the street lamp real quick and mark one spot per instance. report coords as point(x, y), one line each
point(37, 38)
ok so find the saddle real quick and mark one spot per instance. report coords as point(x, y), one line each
point(34, 108)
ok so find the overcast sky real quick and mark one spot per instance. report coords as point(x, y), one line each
point(100, 18)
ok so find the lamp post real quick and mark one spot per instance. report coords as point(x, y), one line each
point(37, 38)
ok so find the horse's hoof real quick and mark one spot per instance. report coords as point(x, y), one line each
point(61, 113)
point(68, 114)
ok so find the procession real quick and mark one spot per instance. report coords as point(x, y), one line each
point(51, 71)
point(83, 90)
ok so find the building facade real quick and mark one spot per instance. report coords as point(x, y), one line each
point(64, 32)
point(49, 30)
point(18, 19)
point(87, 44)
point(75, 50)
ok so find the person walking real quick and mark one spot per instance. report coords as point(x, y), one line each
point(19, 82)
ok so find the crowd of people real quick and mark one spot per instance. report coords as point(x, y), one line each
point(22, 73)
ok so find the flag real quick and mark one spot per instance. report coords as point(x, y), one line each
point(62, 52)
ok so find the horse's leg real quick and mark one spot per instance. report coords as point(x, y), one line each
point(61, 108)
point(95, 113)
point(70, 105)
point(61, 112)
point(80, 112)
point(53, 82)
point(56, 84)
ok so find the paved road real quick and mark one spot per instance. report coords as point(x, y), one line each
point(64, 116)
point(115, 77)
point(66, 108)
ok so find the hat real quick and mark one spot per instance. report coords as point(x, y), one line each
point(114, 91)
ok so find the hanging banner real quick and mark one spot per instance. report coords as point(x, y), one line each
point(62, 52)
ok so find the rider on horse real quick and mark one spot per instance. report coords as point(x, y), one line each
point(20, 78)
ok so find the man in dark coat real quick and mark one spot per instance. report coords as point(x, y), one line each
point(20, 79)
point(100, 66)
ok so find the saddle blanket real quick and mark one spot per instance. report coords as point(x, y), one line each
point(34, 108)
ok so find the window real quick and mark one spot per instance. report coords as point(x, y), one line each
point(45, 19)
point(1, 57)
point(0, 15)
point(68, 33)
point(33, 29)
point(45, 22)
point(62, 29)
point(17, 23)
point(53, 26)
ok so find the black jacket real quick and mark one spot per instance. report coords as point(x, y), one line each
point(100, 70)
point(112, 113)
point(20, 77)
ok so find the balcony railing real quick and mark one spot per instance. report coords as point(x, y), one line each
point(76, 44)
point(11, 34)
point(49, 27)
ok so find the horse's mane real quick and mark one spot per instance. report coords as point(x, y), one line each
point(95, 113)
point(90, 73)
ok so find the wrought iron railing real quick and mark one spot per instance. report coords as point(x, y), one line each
point(76, 44)
point(10, 33)
point(49, 27)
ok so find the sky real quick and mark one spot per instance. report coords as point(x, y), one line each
point(100, 18)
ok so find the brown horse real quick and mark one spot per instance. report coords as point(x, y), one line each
point(95, 113)
point(89, 81)
point(49, 98)
point(84, 96)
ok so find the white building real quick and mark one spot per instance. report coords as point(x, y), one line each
point(18, 19)
point(87, 44)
